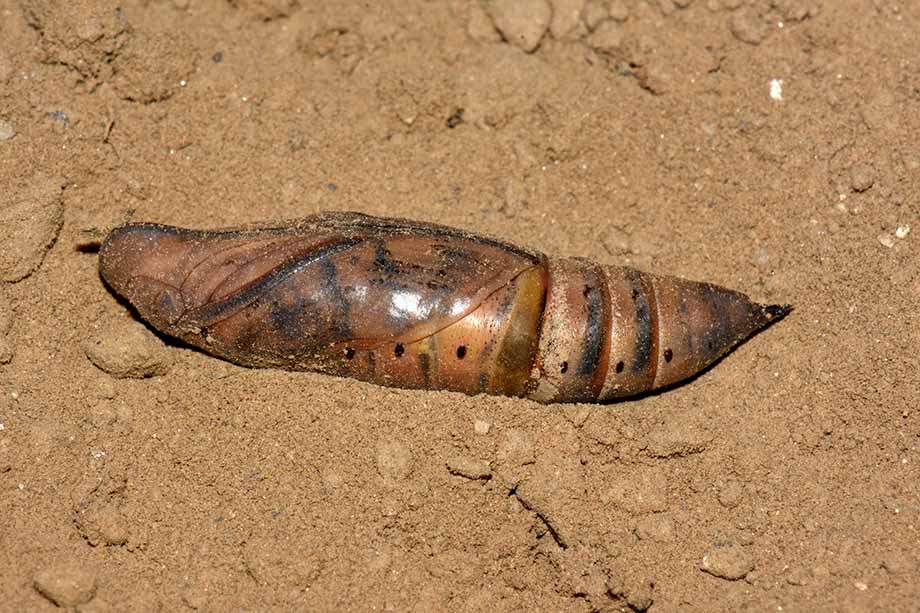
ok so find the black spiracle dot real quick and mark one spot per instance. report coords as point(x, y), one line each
point(399, 350)
point(565, 367)
point(461, 352)
point(205, 333)
point(586, 291)
point(349, 353)
point(620, 366)
point(668, 355)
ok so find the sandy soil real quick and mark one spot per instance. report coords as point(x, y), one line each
point(644, 132)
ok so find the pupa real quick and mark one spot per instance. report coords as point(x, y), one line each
point(416, 305)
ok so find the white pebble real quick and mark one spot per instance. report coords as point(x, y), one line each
point(902, 231)
point(886, 240)
point(776, 89)
point(481, 427)
point(7, 131)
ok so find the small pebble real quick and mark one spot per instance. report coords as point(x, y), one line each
point(481, 427)
point(798, 576)
point(6, 350)
point(886, 240)
point(566, 14)
point(862, 177)
point(657, 527)
point(127, 349)
point(607, 38)
point(7, 131)
point(103, 526)
point(29, 225)
point(776, 89)
point(516, 448)
point(729, 562)
point(158, 62)
point(66, 585)
point(902, 231)
point(521, 22)
point(731, 494)
point(654, 77)
point(748, 27)
point(471, 469)
point(480, 26)
point(279, 563)
point(641, 595)
point(618, 11)
point(593, 14)
point(394, 461)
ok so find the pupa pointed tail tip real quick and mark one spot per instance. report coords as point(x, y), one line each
point(774, 312)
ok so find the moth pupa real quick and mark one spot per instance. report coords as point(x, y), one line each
point(416, 305)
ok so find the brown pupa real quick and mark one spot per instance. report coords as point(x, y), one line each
point(417, 305)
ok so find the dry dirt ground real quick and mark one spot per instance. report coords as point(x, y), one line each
point(765, 145)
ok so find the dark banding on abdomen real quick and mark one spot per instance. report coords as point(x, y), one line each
point(643, 319)
point(595, 327)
